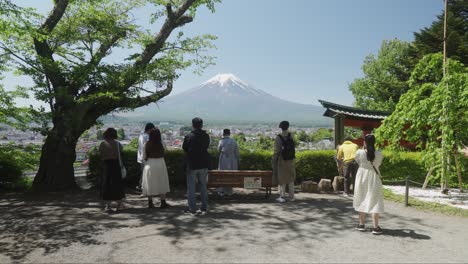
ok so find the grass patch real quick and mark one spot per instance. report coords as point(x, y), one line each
point(426, 206)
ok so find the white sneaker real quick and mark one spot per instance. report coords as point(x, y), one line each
point(292, 199)
point(280, 200)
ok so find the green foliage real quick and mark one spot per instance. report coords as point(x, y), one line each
point(314, 165)
point(430, 39)
point(14, 161)
point(397, 166)
point(433, 113)
point(353, 132)
point(385, 76)
point(301, 135)
point(99, 134)
point(90, 58)
point(121, 134)
point(10, 114)
point(320, 134)
point(310, 165)
point(261, 142)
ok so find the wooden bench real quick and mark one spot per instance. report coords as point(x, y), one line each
point(241, 179)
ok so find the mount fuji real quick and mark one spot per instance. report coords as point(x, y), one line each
point(227, 99)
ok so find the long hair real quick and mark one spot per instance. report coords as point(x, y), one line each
point(370, 147)
point(155, 138)
point(110, 134)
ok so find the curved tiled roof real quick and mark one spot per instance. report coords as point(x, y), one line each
point(333, 109)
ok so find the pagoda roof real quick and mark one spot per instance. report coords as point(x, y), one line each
point(334, 109)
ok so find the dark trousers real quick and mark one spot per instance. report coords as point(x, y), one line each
point(350, 170)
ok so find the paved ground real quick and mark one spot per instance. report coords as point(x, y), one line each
point(315, 228)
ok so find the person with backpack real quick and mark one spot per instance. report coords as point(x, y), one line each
point(195, 146)
point(284, 170)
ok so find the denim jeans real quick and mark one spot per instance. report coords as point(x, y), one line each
point(197, 177)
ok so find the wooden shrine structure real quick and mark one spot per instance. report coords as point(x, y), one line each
point(366, 120)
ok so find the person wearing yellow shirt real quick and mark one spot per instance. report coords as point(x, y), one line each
point(347, 153)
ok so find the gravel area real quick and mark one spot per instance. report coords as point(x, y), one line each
point(454, 197)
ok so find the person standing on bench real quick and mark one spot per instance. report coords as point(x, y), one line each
point(228, 157)
point(195, 146)
point(347, 153)
point(283, 162)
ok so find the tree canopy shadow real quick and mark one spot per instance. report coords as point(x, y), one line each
point(56, 221)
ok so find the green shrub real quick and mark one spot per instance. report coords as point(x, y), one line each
point(14, 161)
point(310, 165)
point(399, 165)
point(315, 165)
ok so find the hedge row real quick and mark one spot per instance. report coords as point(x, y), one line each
point(310, 165)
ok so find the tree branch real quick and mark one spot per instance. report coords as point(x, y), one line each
point(55, 16)
point(10, 52)
point(42, 47)
point(174, 20)
point(142, 101)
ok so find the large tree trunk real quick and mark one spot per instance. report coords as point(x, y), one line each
point(56, 172)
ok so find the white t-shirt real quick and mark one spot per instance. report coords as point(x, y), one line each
point(142, 139)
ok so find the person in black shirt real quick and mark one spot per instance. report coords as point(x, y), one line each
point(195, 146)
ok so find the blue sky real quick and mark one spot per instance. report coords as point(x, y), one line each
point(300, 50)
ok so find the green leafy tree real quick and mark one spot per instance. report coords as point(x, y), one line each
point(89, 58)
point(301, 135)
point(241, 141)
point(431, 39)
point(433, 114)
point(385, 76)
point(353, 132)
point(264, 143)
point(99, 134)
point(121, 134)
point(321, 133)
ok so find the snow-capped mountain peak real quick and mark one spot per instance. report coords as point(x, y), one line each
point(225, 78)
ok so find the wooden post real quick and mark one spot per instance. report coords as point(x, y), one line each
point(339, 129)
point(406, 191)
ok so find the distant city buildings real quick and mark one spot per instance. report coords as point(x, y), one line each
point(172, 133)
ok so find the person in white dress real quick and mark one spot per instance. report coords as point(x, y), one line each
point(155, 180)
point(368, 193)
point(142, 139)
point(228, 157)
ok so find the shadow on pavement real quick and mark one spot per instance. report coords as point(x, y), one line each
point(405, 233)
point(55, 221)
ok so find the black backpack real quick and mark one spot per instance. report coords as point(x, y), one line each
point(288, 149)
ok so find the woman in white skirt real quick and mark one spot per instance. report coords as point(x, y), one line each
point(368, 192)
point(155, 180)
